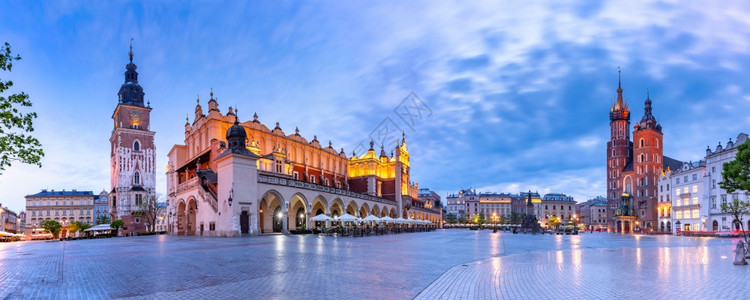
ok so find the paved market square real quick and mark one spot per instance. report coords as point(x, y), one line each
point(446, 264)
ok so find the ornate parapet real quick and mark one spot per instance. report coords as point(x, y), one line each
point(267, 179)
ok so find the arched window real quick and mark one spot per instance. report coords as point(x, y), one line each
point(136, 146)
point(137, 178)
point(642, 143)
point(643, 156)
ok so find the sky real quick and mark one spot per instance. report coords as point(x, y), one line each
point(506, 96)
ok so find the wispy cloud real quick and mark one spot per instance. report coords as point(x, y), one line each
point(519, 91)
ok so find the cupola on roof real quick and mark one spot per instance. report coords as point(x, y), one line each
point(131, 93)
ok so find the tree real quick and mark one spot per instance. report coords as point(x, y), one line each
point(515, 218)
point(736, 209)
point(736, 173)
point(52, 227)
point(150, 211)
point(451, 218)
point(102, 219)
point(78, 227)
point(116, 225)
point(553, 222)
point(478, 219)
point(74, 227)
point(15, 122)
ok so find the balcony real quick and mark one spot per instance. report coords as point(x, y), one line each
point(190, 183)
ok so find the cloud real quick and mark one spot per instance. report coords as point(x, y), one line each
point(517, 89)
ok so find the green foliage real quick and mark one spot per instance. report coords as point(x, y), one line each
point(150, 211)
point(117, 224)
point(737, 208)
point(736, 173)
point(102, 219)
point(553, 221)
point(15, 144)
point(463, 220)
point(451, 218)
point(51, 226)
point(478, 219)
point(74, 227)
point(515, 218)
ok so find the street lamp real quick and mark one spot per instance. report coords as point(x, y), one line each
point(494, 219)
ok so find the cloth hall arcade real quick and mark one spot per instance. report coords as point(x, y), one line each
point(235, 178)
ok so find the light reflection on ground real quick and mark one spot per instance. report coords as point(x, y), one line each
point(497, 265)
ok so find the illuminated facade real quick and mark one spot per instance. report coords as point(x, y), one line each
point(132, 153)
point(714, 195)
point(63, 206)
point(241, 178)
point(633, 168)
point(593, 213)
point(469, 203)
point(9, 220)
point(680, 198)
point(560, 206)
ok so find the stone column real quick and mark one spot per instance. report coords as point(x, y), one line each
point(285, 222)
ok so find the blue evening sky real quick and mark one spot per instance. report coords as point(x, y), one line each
point(518, 91)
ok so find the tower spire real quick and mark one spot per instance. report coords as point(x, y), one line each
point(619, 104)
point(131, 50)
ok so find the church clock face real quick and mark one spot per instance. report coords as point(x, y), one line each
point(135, 117)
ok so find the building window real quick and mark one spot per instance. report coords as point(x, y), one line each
point(312, 179)
point(713, 202)
point(138, 199)
point(695, 188)
point(137, 178)
point(295, 175)
point(212, 226)
point(137, 220)
point(723, 199)
point(136, 146)
point(695, 176)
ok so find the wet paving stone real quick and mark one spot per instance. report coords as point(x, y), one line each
point(447, 264)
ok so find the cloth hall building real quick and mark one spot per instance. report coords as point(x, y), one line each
point(232, 178)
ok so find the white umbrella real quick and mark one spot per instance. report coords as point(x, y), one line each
point(100, 227)
point(321, 218)
point(399, 221)
point(347, 218)
point(387, 219)
point(371, 218)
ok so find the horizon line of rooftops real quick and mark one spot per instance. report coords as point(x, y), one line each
point(547, 197)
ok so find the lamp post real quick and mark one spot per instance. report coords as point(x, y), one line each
point(494, 219)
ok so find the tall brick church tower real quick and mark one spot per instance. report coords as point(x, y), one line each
point(633, 168)
point(133, 155)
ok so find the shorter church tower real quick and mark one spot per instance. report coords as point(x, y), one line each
point(648, 161)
